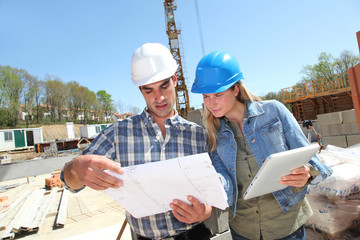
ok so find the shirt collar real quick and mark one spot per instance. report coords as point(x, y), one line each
point(148, 118)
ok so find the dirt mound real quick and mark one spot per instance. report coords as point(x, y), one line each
point(53, 132)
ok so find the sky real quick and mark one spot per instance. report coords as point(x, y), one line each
point(92, 41)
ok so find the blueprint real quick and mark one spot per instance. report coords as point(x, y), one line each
point(150, 188)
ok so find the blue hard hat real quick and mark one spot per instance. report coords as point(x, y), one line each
point(216, 72)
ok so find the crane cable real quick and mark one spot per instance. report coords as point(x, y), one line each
point(199, 26)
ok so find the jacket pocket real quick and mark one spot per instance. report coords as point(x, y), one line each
point(272, 133)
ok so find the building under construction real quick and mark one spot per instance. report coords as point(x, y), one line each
point(326, 95)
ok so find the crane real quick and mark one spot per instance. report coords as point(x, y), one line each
point(182, 96)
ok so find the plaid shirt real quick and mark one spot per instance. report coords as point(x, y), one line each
point(137, 140)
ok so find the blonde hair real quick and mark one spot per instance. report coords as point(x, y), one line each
point(212, 124)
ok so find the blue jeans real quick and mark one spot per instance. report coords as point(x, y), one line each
point(297, 235)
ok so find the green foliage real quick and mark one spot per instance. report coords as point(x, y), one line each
point(4, 119)
point(106, 103)
point(328, 66)
point(49, 100)
point(12, 85)
point(273, 95)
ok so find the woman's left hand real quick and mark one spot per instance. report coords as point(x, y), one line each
point(298, 177)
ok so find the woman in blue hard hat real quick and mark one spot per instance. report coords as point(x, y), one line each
point(242, 132)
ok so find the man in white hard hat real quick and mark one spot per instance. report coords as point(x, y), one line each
point(157, 134)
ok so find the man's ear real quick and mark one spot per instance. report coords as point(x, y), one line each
point(175, 79)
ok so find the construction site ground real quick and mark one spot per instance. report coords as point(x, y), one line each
point(90, 215)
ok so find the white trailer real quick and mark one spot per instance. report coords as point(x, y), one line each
point(13, 139)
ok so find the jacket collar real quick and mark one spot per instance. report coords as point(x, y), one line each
point(254, 109)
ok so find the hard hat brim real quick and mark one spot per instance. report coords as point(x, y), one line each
point(156, 77)
point(215, 88)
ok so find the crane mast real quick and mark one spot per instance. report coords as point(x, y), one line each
point(182, 96)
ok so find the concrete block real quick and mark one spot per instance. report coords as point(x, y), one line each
point(218, 221)
point(345, 129)
point(324, 130)
point(349, 116)
point(195, 116)
point(352, 139)
point(354, 128)
point(339, 141)
point(330, 118)
point(334, 129)
point(4, 159)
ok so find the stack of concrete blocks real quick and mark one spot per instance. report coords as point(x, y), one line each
point(339, 128)
point(5, 159)
point(52, 150)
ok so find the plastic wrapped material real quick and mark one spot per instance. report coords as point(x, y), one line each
point(333, 217)
point(344, 182)
point(336, 200)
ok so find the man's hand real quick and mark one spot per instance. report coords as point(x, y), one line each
point(87, 170)
point(298, 177)
point(196, 212)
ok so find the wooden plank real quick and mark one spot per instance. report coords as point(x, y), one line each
point(32, 210)
point(13, 205)
point(9, 233)
point(62, 215)
point(40, 216)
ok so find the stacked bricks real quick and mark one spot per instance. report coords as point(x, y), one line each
point(54, 181)
point(339, 128)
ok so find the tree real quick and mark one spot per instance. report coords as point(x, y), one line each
point(11, 90)
point(133, 109)
point(90, 103)
point(273, 95)
point(328, 66)
point(105, 101)
point(38, 93)
point(28, 93)
point(120, 106)
point(56, 95)
point(76, 99)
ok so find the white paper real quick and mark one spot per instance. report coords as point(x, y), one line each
point(150, 188)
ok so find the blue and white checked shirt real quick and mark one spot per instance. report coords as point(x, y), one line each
point(137, 140)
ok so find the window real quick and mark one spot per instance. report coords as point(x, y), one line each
point(8, 136)
point(97, 129)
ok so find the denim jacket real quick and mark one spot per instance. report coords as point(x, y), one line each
point(269, 128)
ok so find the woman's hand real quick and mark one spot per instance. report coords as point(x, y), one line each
point(298, 177)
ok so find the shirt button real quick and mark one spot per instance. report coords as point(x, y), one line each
point(287, 205)
point(252, 140)
point(231, 169)
point(257, 211)
point(249, 176)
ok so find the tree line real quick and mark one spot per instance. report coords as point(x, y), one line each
point(326, 68)
point(49, 97)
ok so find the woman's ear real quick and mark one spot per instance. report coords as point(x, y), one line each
point(237, 91)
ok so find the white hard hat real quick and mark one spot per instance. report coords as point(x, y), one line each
point(152, 62)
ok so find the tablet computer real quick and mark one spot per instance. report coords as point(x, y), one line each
point(275, 167)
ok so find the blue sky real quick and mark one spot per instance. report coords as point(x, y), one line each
point(92, 41)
